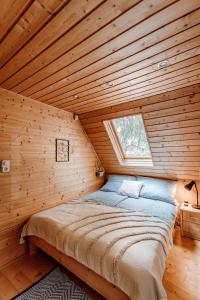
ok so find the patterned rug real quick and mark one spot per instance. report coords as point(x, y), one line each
point(55, 285)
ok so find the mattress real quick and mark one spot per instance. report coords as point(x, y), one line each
point(125, 247)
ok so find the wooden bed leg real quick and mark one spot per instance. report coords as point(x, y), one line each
point(30, 248)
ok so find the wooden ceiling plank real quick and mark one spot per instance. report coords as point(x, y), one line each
point(150, 110)
point(87, 27)
point(175, 129)
point(34, 18)
point(139, 78)
point(157, 129)
point(112, 31)
point(182, 104)
point(111, 158)
point(156, 144)
point(137, 70)
point(116, 27)
point(172, 168)
point(102, 136)
point(163, 132)
point(176, 143)
point(172, 52)
point(156, 93)
point(187, 116)
point(179, 83)
point(132, 55)
point(148, 104)
point(144, 28)
point(193, 104)
point(165, 155)
point(10, 11)
point(163, 168)
point(140, 88)
point(68, 17)
point(148, 82)
point(159, 150)
point(175, 137)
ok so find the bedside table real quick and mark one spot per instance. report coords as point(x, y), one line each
point(190, 222)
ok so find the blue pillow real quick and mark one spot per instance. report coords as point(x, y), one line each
point(111, 186)
point(158, 189)
point(107, 198)
point(115, 181)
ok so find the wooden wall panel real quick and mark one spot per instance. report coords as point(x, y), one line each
point(172, 122)
point(28, 130)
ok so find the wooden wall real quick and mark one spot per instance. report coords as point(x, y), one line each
point(28, 130)
point(172, 121)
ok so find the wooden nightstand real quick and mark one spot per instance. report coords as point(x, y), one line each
point(190, 222)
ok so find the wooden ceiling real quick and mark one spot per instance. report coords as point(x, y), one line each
point(65, 53)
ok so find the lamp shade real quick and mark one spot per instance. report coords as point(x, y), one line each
point(189, 185)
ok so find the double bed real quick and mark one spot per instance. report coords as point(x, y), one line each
point(116, 239)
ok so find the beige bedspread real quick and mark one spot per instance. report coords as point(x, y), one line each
point(125, 247)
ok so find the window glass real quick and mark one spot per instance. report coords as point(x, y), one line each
point(132, 137)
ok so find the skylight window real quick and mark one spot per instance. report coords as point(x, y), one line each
point(129, 140)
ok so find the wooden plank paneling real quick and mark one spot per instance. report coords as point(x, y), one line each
point(64, 53)
point(10, 12)
point(34, 18)
point(172, 122)
point(28, 130)
point(141, 11)
point(133, 71)
point(134, 87)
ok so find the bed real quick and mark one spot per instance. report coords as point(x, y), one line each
point(116, 239)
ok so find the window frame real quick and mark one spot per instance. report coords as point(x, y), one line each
point(115, 141)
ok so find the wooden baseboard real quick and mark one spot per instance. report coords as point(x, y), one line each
point(99, 284)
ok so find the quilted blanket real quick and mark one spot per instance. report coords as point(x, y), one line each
point(125, 247)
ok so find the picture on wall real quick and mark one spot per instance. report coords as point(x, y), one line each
point(62, 150)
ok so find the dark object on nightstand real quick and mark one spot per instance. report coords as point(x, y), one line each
point(189, 187)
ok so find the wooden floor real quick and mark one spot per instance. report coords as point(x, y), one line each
point(182, 275)
point(181, 279)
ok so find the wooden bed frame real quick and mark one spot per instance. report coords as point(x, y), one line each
point(95, 281)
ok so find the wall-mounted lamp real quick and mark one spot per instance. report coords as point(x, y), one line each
point(100, 173)
point(188, 187)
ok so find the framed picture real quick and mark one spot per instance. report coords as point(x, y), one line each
point(62, 150)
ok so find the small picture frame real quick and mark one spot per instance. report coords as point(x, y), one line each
point(62, 150)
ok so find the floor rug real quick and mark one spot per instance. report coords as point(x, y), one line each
point(55, 285)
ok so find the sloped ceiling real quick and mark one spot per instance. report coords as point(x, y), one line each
point(85, 55)
point(172, 122)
